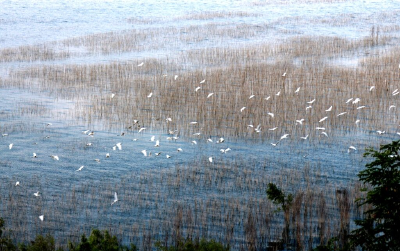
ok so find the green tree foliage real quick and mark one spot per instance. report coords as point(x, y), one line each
point(5, 243)
point(190, 245)
point(41, 243)
point(380, 227)
point(99, 241)
point(278, 197)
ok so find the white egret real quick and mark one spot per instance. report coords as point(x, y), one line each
point(324, 133)
point(242, 109)
point(157, 143)
point(168, 157)
point(220, 140)
point(86, 131)
point(157, 154)
point(97, 160)
point(36, 194)
point(351, 148)
point(119, 146)
point(297, 90)
point(141, 64)
point(284, 136)
point(153, 138)
point(175, 77)
point(144, 153)
point(209, 140)
point(392, 106)
point(357, 121)
point(107, 155)
point(210, 159)
point(202, 81)
point(308, 107)
point(273, 129)
point(356, 101)
point(225, 150)
point(361, 107)
point(319, 128)
point(305, 137)
point(114, 148)
point(310, 102)
point(278, 93)
point(115, 198)
point(193, 123)
point(80, 169)
point(275, 144)
point(267, 98)
point(149, 96)
point(17, 183)
point(194, 142)
point(179, 149)
point(4, 134)
point(112, 95)
point(141, 129)
point(284, 74)
point(340, 114)
point(371, 88)
point(209, 95)
point(41, 217)
point(271, 114)
point(323, 119)
point(299, 121)
point(55, 157)
point(381, 132)
point(258, 128)
point(197, 88)
point(10, 146)
point(34, 155)
point(252, 96)
point(348, 101)
point(89, 144)
point(329, 109)
point(196, 134)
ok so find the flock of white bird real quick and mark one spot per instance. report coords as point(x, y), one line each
point(174, 133)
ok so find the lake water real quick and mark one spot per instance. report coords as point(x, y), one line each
point(152, 181)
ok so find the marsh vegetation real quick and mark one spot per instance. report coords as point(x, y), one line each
point(104, 82)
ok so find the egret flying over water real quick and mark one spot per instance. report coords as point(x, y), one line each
point(351, 148)
point(80, 169)
point(115, 198)
point(144, 153)
point(305, 137)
